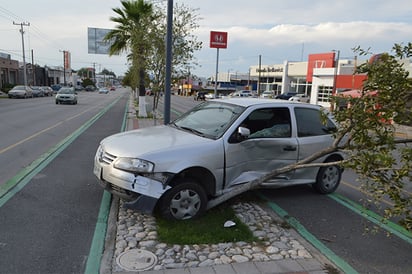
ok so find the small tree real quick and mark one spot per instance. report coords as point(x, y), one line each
point(367, 136)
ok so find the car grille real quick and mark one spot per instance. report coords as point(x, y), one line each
point(107, 157)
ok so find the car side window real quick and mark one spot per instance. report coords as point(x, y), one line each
point(269, 123)
point(309, 123)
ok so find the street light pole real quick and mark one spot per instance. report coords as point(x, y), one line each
point(168, 76)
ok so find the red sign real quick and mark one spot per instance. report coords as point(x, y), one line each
point(218, 39)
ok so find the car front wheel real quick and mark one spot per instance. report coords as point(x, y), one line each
point(328, 179)
point(185, 200)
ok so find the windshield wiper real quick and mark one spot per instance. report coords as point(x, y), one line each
point(197, 132)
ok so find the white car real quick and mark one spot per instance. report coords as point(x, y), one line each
point(268, 94)
point(214, 149)
point(300, 98)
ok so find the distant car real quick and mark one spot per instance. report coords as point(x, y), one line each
point(212, 96)
point(21, 92)
point(112, 88)
point(90, 88)
point(268, 94)
point(78, 88)
point(300, 98)
point(104, 90)
point(200, 96)
point(37, 91)
point(66, 95)
point(241, 93)
point(285, 96)
point(48, 91)
point(56, 87)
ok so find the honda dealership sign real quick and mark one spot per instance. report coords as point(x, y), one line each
point(218, 39)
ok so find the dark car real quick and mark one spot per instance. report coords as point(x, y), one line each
point(37, 91)
point(200, 96)
point(286, 96)
point(90, 88)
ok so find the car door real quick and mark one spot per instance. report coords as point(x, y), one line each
point(313, 134)
point(269, 146)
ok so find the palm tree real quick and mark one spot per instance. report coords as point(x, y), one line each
point(132, 35)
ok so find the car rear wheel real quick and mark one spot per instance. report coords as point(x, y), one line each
point(328, 179)
point(185, 200)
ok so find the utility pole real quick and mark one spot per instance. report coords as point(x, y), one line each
point(23, 24)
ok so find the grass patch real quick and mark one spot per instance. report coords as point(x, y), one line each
point(208, 229)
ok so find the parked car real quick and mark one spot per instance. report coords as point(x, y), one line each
point(78, 88)
point(37, 91)
point(285, 96)
point(48, 91)
point(214, 149)
point(20, 92)
point(300, 98)
point(90, 88)
point(200, 96)
point(241, 93)
point(66, 95)
point(56, 87)
point(268, 94)
point(104, 90)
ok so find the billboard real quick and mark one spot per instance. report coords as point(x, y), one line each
point(218, 39)
point(96, 43)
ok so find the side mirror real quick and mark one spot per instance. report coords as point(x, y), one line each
point(239, 136)
point(243, 133)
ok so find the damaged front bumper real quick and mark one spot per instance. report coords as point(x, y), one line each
point(141, 193)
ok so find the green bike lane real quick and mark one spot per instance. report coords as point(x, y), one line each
point(52, 211)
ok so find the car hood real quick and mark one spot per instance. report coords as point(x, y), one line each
point(137, 143)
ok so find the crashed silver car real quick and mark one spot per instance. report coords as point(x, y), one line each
point(183, 168)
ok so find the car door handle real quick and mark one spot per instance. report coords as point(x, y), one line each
point(289, 148)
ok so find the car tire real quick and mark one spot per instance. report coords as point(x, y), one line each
point(328, 179)
point(185, 200)
point(57, 102)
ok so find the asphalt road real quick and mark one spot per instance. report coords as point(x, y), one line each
point(48, 221)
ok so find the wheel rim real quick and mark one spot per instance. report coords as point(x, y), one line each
point(330, 177)
point(185, 204)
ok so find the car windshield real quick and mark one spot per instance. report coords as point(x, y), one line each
point(66, 91)
point(210, 119)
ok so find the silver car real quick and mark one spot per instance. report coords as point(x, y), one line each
point(21, 92)
point(66, 95)
point(182, 168)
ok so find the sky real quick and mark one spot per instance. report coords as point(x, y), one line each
point(275, 30)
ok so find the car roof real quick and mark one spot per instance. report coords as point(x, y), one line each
point(248, 102)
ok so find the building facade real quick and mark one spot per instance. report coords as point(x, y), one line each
point(9, 71)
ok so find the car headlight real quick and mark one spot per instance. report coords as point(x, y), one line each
point(134, 165)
